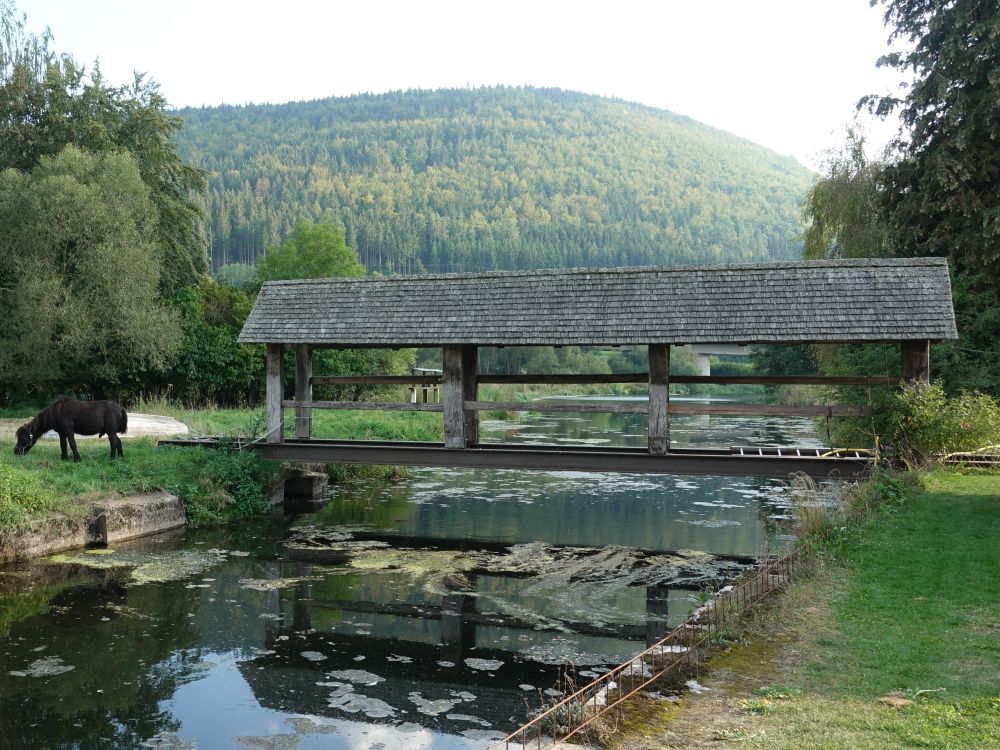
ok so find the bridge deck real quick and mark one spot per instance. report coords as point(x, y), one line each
point(724, 462)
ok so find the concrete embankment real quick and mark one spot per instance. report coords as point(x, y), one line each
point(106, 522)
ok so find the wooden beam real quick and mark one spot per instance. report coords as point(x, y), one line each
point(599, 407)
point(303, 390)
point(604, 378)
point(365, 405)
point(641, 377)
point(915, 361)
point(570, 406)
point(561, 459)
point(470, 392)
point(274, 387)
point(452, 390)
point(376, 379)
point(659, 399)
point(770, 410)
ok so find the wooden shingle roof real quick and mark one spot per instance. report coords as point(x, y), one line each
point(807, 301)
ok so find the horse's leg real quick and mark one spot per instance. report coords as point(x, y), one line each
point(62, 447)
point(111, 442)
point(72, 444)
point(118, 440)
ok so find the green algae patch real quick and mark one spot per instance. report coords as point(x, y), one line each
point(275, 584)
point(414, 562)
point(147, 567)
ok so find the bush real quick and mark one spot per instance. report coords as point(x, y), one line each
point(924, 423)
point(226, 485)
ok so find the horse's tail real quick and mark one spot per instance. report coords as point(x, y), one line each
point(124, 427)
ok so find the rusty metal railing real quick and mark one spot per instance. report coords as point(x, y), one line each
point(680, 651)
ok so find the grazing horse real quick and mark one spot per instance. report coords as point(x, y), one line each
point(70, 417)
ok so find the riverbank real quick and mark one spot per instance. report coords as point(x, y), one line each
point(894, 642)
point(215, 486)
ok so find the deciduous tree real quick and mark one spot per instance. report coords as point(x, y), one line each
point(79, 267)
point(941, 191)
point(48, 101)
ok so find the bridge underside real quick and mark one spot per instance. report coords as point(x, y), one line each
point(724, 462)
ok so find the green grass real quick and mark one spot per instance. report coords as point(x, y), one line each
point(332, 424)
point(908, 601)
point(214, 485)
point(921, 604)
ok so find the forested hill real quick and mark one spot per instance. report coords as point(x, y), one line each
point(460, 180)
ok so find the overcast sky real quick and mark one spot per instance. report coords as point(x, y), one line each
point(783, 73)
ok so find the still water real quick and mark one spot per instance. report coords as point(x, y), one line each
point(428, 613)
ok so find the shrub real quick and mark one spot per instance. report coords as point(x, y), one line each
point(924, 423)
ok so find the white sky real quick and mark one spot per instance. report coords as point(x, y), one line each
point(783, 73)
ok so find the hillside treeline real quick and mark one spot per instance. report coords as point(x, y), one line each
point(492, 178)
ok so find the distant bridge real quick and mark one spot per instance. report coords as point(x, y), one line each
point(705, 352)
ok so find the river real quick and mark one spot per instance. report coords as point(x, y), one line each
point(426, 613)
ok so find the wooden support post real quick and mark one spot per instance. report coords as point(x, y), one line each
point(470, 392)
point(453, 393)
point(657, 603)
point(303, 390)
point(659, 399)
point(915, 361)
point(274, 392)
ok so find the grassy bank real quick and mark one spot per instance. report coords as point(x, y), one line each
point(215, 486)
point(906, 605)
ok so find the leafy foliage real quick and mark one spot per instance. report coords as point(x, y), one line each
point(314, 251)
point(843, 209)
point(925, 423)
point(48, 101)
point(941, 194)
point(80, 275)
point(211, 366)
point(507, 178)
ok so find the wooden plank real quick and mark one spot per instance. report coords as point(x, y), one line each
point(866, 380)
point(578, 406)
point(641, 407)
point(563, 459)
point(376, 379)
point(365, 405)
point(604, 378)
point(303, 390)
point(659, 399)
point(274, 387)
point(915, 361)
point(600, 407)
point(770, 410)
point(451, 397)
point(470, 392)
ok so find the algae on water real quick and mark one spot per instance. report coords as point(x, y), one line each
point(147, 567)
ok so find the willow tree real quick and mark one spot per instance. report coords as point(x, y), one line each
point(80, 275)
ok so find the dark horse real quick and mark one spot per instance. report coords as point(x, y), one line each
point(67, 416)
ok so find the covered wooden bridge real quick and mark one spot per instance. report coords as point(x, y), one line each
point(904, 301)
